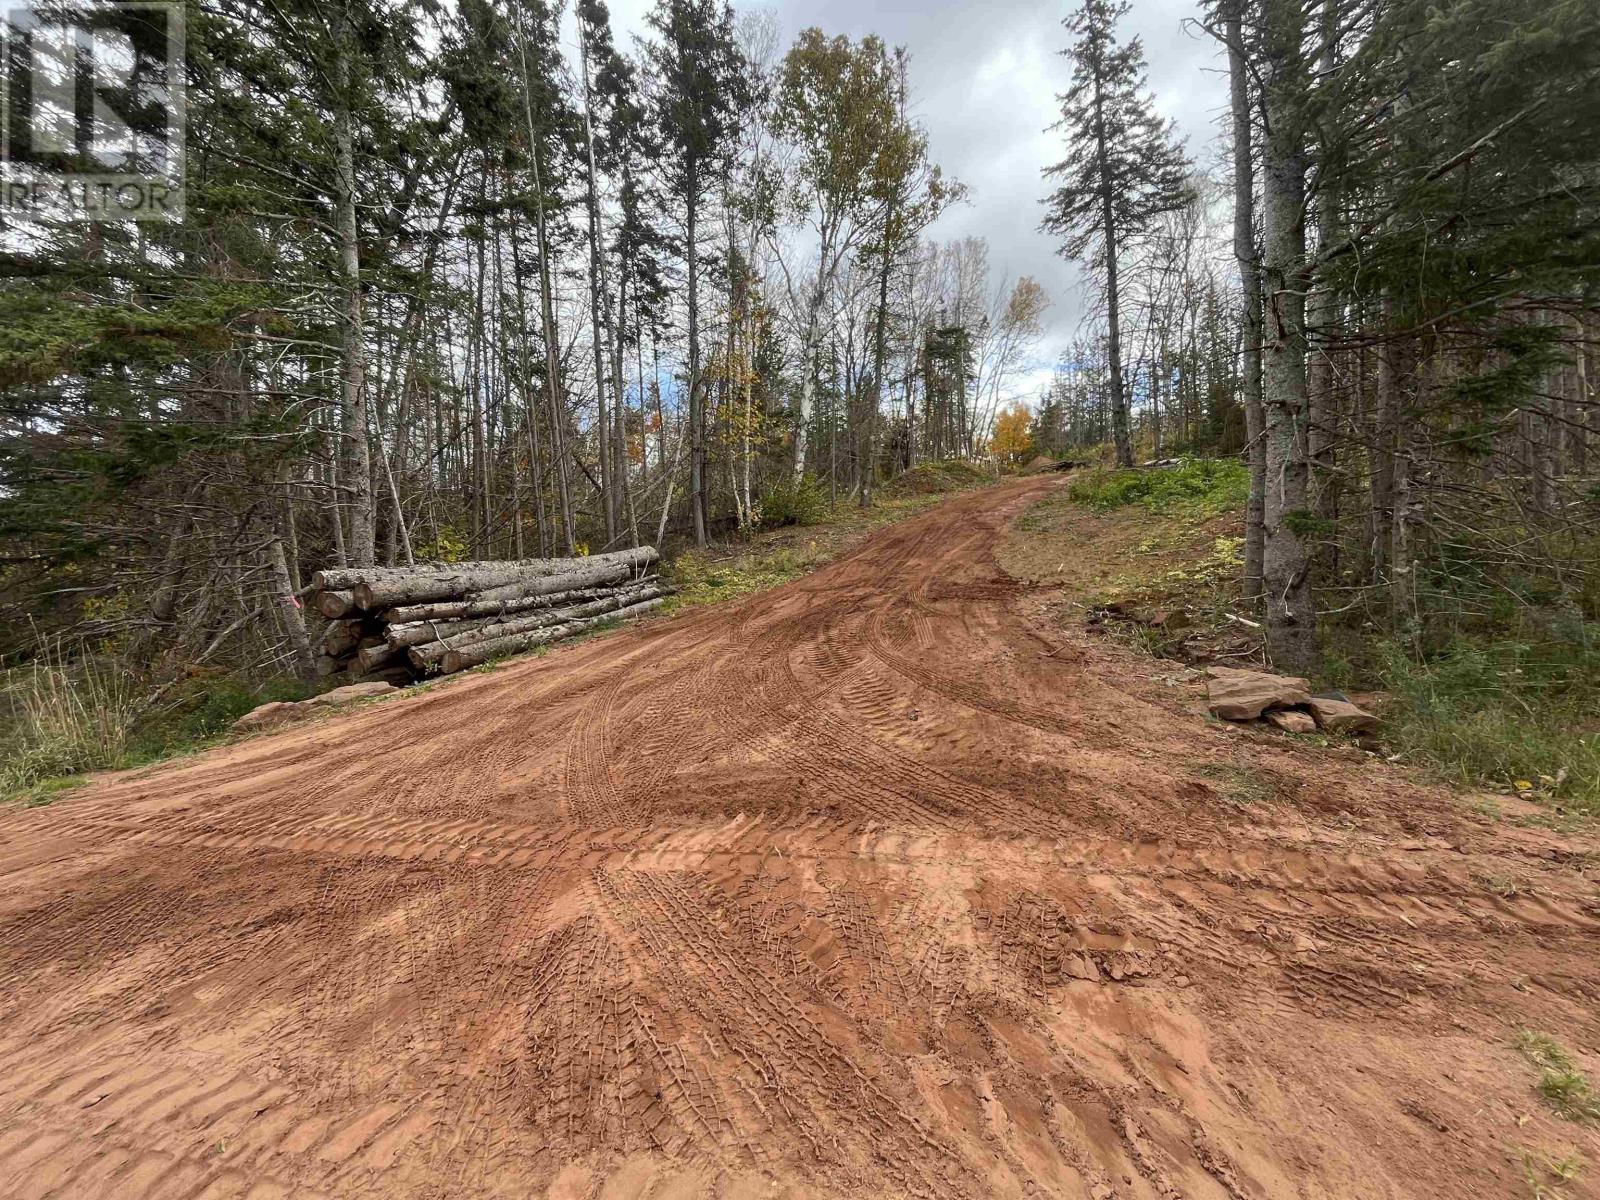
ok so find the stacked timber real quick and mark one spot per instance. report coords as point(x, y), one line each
point(399, 624)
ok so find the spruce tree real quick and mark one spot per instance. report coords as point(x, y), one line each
point(1122, 170)
point(700, 74)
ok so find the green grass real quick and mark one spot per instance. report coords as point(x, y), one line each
point(1511, 714)
point(703, 579)
point(938, 478)
point(1200, 487)
point(63, 717)
point(1547, 1176)
point(203, 712)
point(1565, 1088)
point(60, 720)
point(43, 793)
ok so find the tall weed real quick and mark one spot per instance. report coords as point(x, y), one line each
point(66, 717)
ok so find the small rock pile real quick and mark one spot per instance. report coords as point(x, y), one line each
point(1285, 702)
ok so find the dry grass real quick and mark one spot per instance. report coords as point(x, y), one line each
point(1564, 1087)
point(66, 717)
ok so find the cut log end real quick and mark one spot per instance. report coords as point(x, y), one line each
point(334, 605)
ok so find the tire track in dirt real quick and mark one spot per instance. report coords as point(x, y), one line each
point(842, 890)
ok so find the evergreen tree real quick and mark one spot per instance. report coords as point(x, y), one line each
point(701, 80)
point(1121, 172)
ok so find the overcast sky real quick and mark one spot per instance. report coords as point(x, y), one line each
point(984, 76)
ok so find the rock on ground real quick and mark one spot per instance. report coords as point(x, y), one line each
point(1292, 720)
point(1340, 716)
point(1237, 695)
point(284, 712)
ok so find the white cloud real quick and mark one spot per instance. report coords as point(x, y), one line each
point(984, 76)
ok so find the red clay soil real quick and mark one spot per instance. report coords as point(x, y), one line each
point(868, 886)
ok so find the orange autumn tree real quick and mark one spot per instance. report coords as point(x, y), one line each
point(1012, 442)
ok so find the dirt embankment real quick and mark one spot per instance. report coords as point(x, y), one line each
point(862, 887)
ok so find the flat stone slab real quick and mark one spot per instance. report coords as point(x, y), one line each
point(1340, 716)
point(287, 712)
point(1237, 695)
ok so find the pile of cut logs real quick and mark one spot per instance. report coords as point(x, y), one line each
point(400, 624)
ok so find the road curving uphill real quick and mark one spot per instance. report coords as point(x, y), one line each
point(867, 886)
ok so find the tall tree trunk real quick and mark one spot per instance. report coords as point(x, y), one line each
point(1386, 422)
point(361, 546)
point(597, 301)
point(697, 446)
point(1108, 231)
point(547, 312)
point(1291, 616)
point(808, 382)
point(619, 411)
point(552, 362)
point(1322, 399)
point(1244, 253)
point(880, 354)
point(530, 417)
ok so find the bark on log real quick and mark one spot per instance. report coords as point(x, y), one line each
point(440, 625)
point(327, 665)
point(488, 584)
point(585, 576)
point(536, 593)
point(482, 652)
point(432, 653)
point(335, 604)
point(382, 587)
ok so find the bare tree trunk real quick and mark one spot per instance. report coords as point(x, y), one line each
point(294, 621)
point(552, 336)
point(1291, 616)
point(1244, 252)
point(1108, 229)
point(1578, 399)
point(619, 413)
point(880, 353)
point(808, 392)
point(697, 445)
point(1322, 402)
point(1382, 452)
point(597, 302)
point(362, 544)
point(530, 417)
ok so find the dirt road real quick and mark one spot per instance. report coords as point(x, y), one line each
point(869, 886)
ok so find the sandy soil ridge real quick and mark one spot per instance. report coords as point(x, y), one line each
point(862, 887)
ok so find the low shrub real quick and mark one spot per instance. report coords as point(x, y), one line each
point(701, 579)
point(204, 709)
point(801, 501)
point(62, 717)
point(1202, 487)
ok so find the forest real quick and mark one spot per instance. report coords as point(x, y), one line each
point(491, 281)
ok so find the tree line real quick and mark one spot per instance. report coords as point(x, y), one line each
point(480, 281)
point(1385, 297)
